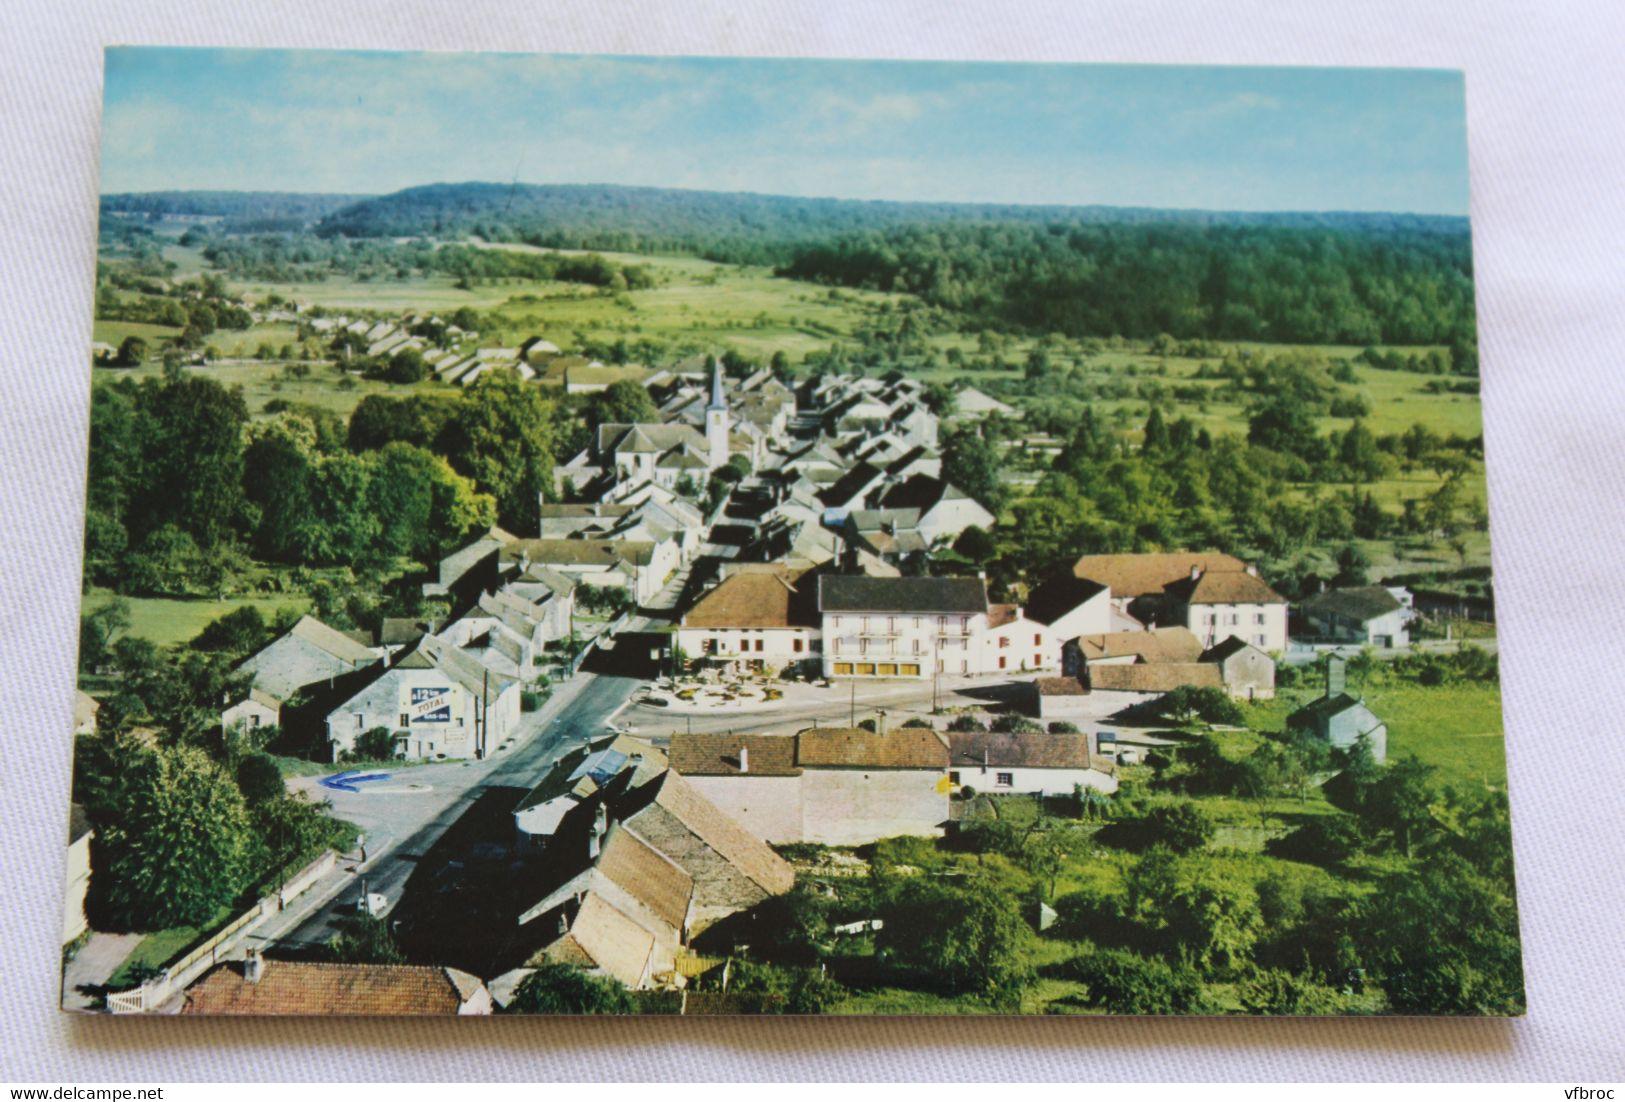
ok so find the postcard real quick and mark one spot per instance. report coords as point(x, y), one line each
point(630, 535)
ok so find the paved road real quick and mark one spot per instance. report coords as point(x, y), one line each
point(402, 823)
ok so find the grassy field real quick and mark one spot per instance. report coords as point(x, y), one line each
point(262, 383)
point(1456, 728)
point(166, 622)
point(114, 332)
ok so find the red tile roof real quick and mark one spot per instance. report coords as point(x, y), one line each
point(300, 987)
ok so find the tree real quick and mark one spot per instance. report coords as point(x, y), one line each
point(565, 989)
point(132, 352)
point(1182, 827)
point(1156, 433)
point(363, 939)
point(259, 779)
point(621, 403)
point(1353, 566)
point(501, 436)
point(970, 939)
point(1443, 939)
point(423, 506)
point(238, 633)
point(1401, 802)
point(175, 851)
point(1277, 992)
point(970, 463)
point(97, 630)
point(406, 366)
point(1121, 982)
point(193, 475)
point(781, 990)
point(976, 545)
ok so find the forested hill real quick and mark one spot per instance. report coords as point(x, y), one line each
point(742, 226)
point(1234, 282)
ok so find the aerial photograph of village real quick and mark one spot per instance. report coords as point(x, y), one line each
point(595, 535)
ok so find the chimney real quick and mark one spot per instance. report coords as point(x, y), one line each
point(1196, 571)
point(253, 966)
point(744, 759)
point(1252, 568)
point(1335, 679)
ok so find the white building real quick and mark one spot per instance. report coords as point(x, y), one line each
point(903, 627)
point(435, 701)
point(760, 618)
point(1028, 763)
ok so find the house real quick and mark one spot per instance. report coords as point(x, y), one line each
point(834, 786)
point(1105, 689)
point(1247, 672)
point(1071, 606)
point(731, 867)
point(1213, 594)
point(1219, 604)
point(639, 566)
point(580, 774)
point(892, 535)
point(1029, 763)
point(264, 987)
point(970, 403)
point(900, 627)
point(80, 834)
point(436, 702)
point(309, 654)
point(624, 913)
point(1014, 643)
point(1370, 615)
point(1116, 648)
point(1341, 720)
point(944, 510)
point(760, 618)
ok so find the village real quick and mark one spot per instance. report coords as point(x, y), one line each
point(727, 657)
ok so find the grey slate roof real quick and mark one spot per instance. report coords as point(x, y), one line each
point(849, 593)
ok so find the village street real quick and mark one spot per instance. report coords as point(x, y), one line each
point(401, 822)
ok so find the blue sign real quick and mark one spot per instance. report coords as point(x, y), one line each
point(430, 705)
point(1103, 737)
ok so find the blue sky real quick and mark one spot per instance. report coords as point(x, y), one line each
point(1156, 136)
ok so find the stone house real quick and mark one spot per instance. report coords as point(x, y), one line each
point(1370, 615)
point(1247, 672)
point(834, 786)
point(308, 656)
point(1028, 763)
point(760, 618)
point(436, 701)
point(1341, 720)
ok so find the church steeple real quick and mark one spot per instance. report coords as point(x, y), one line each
point(717, 421)
point(716, 385)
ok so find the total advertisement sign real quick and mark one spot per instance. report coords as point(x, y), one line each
point(428, 703)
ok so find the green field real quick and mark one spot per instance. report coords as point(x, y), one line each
point(167, 622)
point(1456, 728)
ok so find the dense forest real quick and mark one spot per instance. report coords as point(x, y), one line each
point(1267, 283)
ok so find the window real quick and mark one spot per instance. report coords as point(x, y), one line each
point(835, 620)
point(796, 645)
point(406, 719)
point(1258, 618)
point(1038, 660)
point(759, 644)
point(910, 669)
point(1004, 780)
point(1235, 618)
point(1259, 639)
point(919, 646)
point(1004, 641)
point(953, 776)
point(359, 720)
point(1003, 661)
point(1038, 640)
point(709, 645)
point(843, 669)
point(253, 721)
